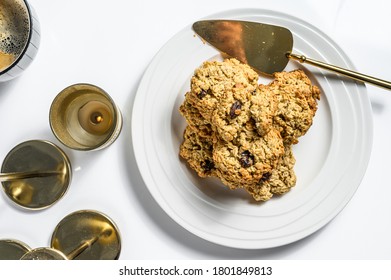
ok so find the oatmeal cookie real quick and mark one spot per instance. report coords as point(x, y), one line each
point(244, 161)
point(231, 114)
point(198, 152)
point(242, 107)
point(277, 182)
point(216, 81)
point(227, 96)
point(263, 108)
point(195, 120)
point(242, 132)
point(297, 104)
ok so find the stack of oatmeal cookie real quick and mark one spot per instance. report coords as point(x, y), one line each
point(243, 132)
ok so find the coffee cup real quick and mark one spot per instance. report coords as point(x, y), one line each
point(19, 37)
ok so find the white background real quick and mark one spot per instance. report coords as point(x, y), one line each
point(110, 43)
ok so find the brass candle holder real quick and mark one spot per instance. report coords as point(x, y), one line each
point(87, 235)
point(12, 249)
point(84, 117)
point(81, 235)
point(35, 174)
point(43, 254)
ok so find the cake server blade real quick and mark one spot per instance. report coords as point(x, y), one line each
point(266, 48)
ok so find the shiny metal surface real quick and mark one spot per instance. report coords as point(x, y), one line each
point(267, 48)
point(262, 46)
point(342, 71)
point(43, 254)
point(11, 249)
point(84, 117)
point(37, 174)
point(14, 176)
point(87, 235)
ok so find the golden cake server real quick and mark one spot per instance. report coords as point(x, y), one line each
point(267, 48)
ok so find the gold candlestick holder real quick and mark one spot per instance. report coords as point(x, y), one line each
point(43, 254)
point(87, 235)
point(81, 235)
point(35, 174)
point(12, 249)
point(84, 117)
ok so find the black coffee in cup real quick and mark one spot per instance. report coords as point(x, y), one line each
point(14, 31)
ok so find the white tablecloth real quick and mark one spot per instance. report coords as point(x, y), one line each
point(110, 43)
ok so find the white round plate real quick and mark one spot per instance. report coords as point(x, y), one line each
point(331, 158)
